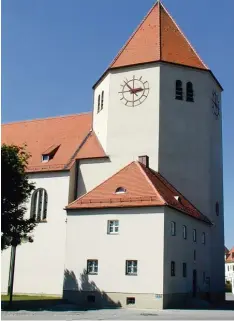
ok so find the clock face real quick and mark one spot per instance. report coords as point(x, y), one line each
point(215, 104)
point(134, 91)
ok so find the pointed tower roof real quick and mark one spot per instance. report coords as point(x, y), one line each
point(158, 38)
point(136, 186)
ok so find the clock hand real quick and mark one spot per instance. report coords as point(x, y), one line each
point(131, 90)
point(136, 90)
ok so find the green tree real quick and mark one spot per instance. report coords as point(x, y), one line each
point(16, 190)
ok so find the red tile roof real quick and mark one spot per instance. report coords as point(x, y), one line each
point(230, 256)
point(144, 187)
point(158, 38)
point(72, 133)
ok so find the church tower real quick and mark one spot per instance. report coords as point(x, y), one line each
point(158, 98)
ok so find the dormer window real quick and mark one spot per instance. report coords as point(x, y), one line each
point(189, 92)
point(120, 190)
point(45, 158)
point(49, 153)
point(179, 90)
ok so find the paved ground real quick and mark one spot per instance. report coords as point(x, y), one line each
point(125, 314)
point(121, 314)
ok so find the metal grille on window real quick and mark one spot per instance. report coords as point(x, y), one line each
point(179, 90)
point(131, 267)
point(189, 92)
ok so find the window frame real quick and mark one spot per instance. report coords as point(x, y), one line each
point(184, 232)
point(194, 255)
point(132, 267)
point(184, 270)
point(189, 92)
point(92, 271)
point(39, 205)
point(129, 299)
point(217, 209)
point(99, 103)
point(115, 226)
point(102, 100)
point(179, 90)
point(173, 228)
point(173, 268)
point(194, 235)
point(203, 238)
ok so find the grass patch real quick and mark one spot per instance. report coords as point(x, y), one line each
point(5, 298)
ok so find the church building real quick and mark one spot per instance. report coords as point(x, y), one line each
point(129, 197)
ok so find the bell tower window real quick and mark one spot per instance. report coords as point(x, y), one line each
point(179, 90)
point(189, 92)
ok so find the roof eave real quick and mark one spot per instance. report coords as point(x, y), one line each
point(156, 61)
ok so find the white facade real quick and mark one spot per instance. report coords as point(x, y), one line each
point(144, 235)
point(229, 271)
point(39, 265)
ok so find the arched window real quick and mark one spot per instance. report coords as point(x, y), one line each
point(39, 205)
point(120, 190)
point(173, 228)
point(99, 101)
point(189, 92)
point(179, 90)
point(102, 100)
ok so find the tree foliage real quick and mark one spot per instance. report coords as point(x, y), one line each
point(16, 190)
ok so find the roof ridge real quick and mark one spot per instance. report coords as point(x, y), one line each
point(183, 35)
point(132, 35)
point(149, 180)
point(46, 118)
point(161, 178)
point(78, 149)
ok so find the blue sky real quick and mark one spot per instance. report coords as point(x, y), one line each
point(54, 51)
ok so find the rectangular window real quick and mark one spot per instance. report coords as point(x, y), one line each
point(102, 100)
point(194, 255)
point(92, 266)
point(131, 267)
point(203, 238)
point(45, 158)
point(113, 227)
point(184, 270)
point(194, 235)
point(173, 228)
point(130, 301)
point(204, 277)
point(185, 232)
point(99, 101)
point(172, 268)
point(91, 298)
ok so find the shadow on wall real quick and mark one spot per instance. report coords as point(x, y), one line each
point(85, 293)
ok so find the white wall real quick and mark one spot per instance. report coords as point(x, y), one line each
point(100, 120)
point(190, 151)
point(181, 250)
point(140, 238)
point(131, 131)
point(229, 271)
point(40, 265)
